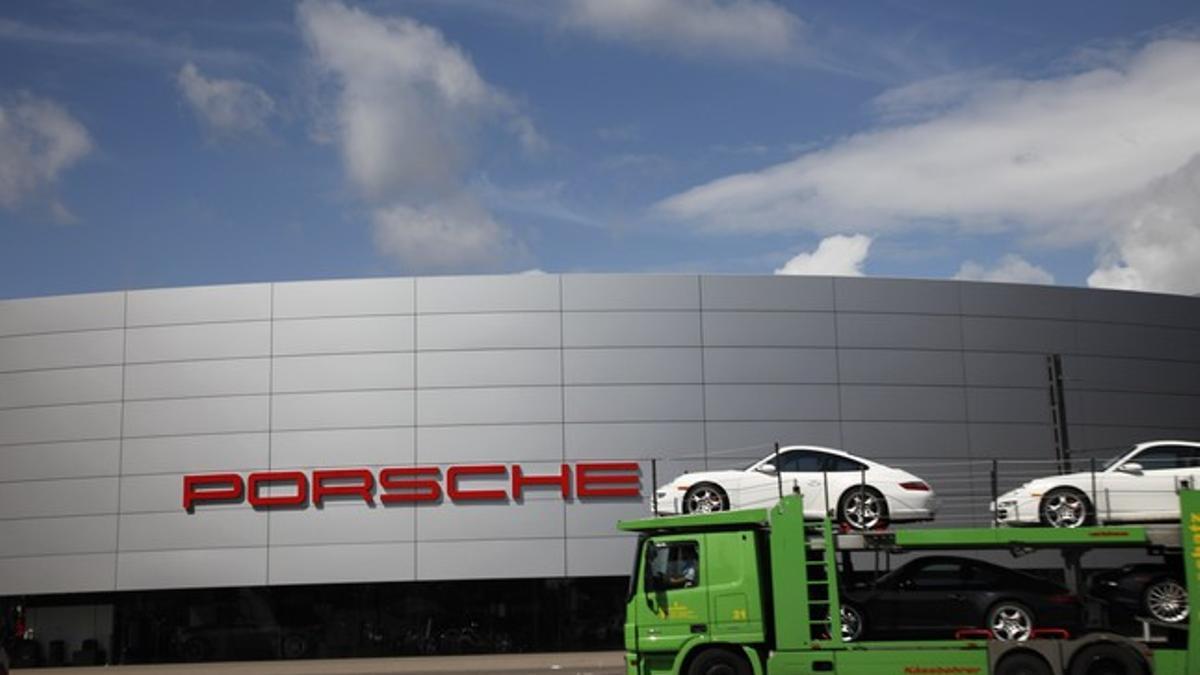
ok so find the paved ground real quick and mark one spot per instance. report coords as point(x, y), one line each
point(580, 663)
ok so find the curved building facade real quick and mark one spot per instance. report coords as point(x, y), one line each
point(108, 401)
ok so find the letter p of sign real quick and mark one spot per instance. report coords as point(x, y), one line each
point(215, 487)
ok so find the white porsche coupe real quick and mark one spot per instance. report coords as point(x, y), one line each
point(856, 491)
point(1140, 485)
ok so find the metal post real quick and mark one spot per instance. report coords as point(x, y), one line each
point(862, 496)
point(995, 492)
point(825, 486)
point(654, 486)
point(1095, 502)
point(778, 471)
point(1058, 412)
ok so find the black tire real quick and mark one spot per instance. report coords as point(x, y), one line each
point(294, 646)
point(873, 503)
point(1010, 621)
point(195, 649)
point(719, 662)
point(1166, 600)
point(1066, 507)
point(1107, 659)
point(854, 626)
point(1023, 663)
point(705, 498)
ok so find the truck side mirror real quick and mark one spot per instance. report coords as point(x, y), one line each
point(656, 582)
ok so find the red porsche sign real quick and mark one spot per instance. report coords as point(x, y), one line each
point(409, 484)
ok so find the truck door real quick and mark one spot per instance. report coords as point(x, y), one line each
point(672, 602)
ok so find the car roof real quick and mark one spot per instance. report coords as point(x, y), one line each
point(928, 559)
point(1147, 444)
point(831, 451)
point(821, 448)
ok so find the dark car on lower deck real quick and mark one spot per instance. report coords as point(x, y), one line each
point(1156, 591)
point(935, 597)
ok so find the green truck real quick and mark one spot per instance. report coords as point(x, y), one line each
point(757, 592)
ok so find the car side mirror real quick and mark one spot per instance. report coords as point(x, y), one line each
point(766, 468)
point(1132, 468)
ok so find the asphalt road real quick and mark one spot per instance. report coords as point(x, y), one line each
point(576, 663)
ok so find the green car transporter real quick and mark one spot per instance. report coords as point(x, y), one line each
point(757, 595)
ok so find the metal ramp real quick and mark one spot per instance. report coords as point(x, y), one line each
point(1155, 537)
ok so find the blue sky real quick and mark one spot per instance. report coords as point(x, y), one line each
point(147, 144)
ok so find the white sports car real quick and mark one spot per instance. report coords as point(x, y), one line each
point(860, 493)
point(1141, 485)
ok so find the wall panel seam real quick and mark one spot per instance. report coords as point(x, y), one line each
point(121, 431)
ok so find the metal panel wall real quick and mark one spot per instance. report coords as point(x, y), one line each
point(107, 400)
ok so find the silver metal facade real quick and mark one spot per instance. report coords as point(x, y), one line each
point(107, 399)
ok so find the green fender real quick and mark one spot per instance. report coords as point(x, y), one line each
point(753, 658)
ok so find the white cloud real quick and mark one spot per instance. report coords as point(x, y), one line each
point(1157, 243)
point(1010, 268)
point(741, 29)
point(1047, 159)
point(838, 255)
point(225, 107)
point(39, 140)
point(408, 105)
point(456, 233)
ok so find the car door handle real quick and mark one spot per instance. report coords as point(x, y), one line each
point(699, 627)
point(957, 596)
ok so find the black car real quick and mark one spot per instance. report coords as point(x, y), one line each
point(936, 596)
point(1156, 591)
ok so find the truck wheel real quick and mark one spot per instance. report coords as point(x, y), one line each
point(1023, 663)
point(718, 662)
point(1065, 507)
point(1166, 600)
point(863, 508)
point(1107, 659)
point(705, 498)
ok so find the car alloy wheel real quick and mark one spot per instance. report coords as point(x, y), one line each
point(704, 498)
point(852, 624)
point(1064, 508)
point(1010, 622)
point(1166, 600)
point(863, 509)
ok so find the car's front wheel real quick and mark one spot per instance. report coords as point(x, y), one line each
point(852, 623)
point(705, 498)
point(1166, 600)
point(294, 646)
point(1065, 507)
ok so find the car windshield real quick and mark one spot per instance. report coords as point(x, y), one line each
point(751, 465)
point(1114, 460)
